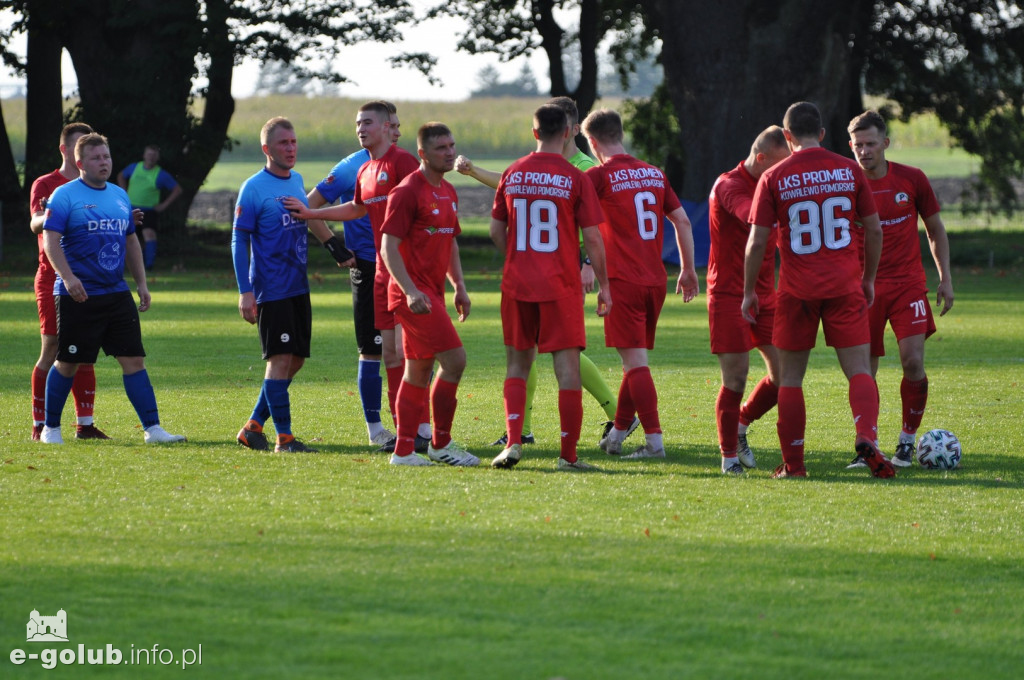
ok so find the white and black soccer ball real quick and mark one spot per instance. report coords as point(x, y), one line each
point(938, 450)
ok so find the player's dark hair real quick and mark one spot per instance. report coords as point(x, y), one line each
point(74, 129)
point(770, 139)
point(567, 105)
point(431, 131)
point(604, 125)
point(391, 107)
point(549, 121)
point(865, 121)
point(153, 147)
point(87, 141)
point(379, 108)
point(271, 126)
point(803, 120)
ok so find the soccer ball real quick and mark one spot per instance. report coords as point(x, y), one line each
point(938, 450)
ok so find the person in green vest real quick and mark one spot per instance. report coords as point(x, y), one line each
point(146, 183)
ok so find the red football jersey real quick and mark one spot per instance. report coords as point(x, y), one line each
point(43, 188)
point(635, 198)
point(728, 210)
point(545, 202)
point(901, 196)
point(426, 218)
point(375, 181)
point(816, 197)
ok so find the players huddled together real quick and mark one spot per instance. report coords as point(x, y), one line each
point(566, 223)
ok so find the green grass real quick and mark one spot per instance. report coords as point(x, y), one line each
point(337, 565)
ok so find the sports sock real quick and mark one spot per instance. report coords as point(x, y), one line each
point(645, 396)
point(38, 395)
point(394, 374)
point(261, 411)
point(149, 253)
point(515, 403)
point(593, 383)
point(140, 394)
point(864, 405)
point(625, 409)
point(729, 461)
point(444, 402)
point(84, 389)
point(531, 392)
point(791, 424)
point(370, 390)
point(424, 430)
point(762, 399)
point(280, 404)
point(570, 416)
point(409, 402)
point(727, 415)
point(57, 390)
point(655, 440)
point(914, 395)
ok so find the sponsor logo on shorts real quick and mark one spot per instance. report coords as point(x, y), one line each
point(285, 337)
point(73, 349)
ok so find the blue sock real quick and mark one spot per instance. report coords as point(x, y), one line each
point(280, 405)
point(140, 394)
point(149, 253)
point(370, 388)
point(261, 411)
point(57, 390)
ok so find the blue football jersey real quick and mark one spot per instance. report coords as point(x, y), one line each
point(93, 224)
point(340, 184)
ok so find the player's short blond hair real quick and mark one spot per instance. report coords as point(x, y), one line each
point(272, 125)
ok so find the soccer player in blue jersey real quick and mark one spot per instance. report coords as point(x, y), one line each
point(89, 236)
point(268, 247)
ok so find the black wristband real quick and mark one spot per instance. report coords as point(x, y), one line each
point(338, 250)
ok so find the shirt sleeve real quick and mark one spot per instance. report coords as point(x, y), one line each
point(246, 209)
point(57, 210)
point(401, 212)
point(165, 181)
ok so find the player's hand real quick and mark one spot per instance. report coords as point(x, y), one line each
point(463, 165)
point(587, 278)
point(297, 208)
point(75, 289)
point(604, 302)
point(749, 307)
point(145, 300)
point(869, 291)
point(247, 306)
point(138, 217)
point(944, 297)
point(687, 284)
point(418, 302)
point(462, 304)
point(342, 255)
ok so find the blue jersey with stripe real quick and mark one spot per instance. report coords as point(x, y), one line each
point(277, 267)
point(93, 224)
point(340, 185)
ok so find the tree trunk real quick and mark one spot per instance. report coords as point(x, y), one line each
point(732, 68)
point(14, 212)
point(44, 102)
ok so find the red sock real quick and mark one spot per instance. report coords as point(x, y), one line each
point(394, 375)
point(570, 415)
point(625, 409)
point(914, 394)
point(409, 402)
point(515, 407)
point(84, 389)
point(727, 415)
point(645, 396)
point(442, 398)
point(763, 398)
point(791, 424)
point(864, 405)
point(38, 395)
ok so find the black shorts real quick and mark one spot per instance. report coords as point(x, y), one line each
point(150, 219)
point(110, 322)
point(285, 326)
point(367, 336)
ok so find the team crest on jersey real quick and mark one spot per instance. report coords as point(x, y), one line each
point(383, 178)
point(902, 199)
point(110, 256)
point(238, 211)
point(329, 179)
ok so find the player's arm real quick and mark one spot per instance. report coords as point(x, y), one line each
point(133, 260)
point(171, 198)
point(240, 240)
point(687, 284)
point(499, 233)
point(418, 302)
point(122, 181)
point(753, 257)
point(38, 217)
point(872, 252)
point(52, 247)
point(346, 212)
point(595, 249)
point(938, 243)
point(461, 299)
point(334, 244)
point(488, 177)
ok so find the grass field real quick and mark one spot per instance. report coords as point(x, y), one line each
point(336, 565)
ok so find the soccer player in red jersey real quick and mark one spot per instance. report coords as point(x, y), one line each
point(541, 203)
point(732, 337)
point(816, 198)
point(419, 249)
point(902, 194)
point(635, 198)
point(84, 386)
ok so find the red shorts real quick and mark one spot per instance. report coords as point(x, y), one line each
point(45, 279)
point(845, 320)
point(730, 332)
point(633, 318)
point(907, 310)
point(424, 336)
point(383, 318)
point(549, 326)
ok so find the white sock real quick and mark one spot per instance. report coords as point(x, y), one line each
point(907, 438)
point(743, 428)
point(373, 429)
point(85, 420)
point(424, 430)
point(654, 441)
point(729, 461)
